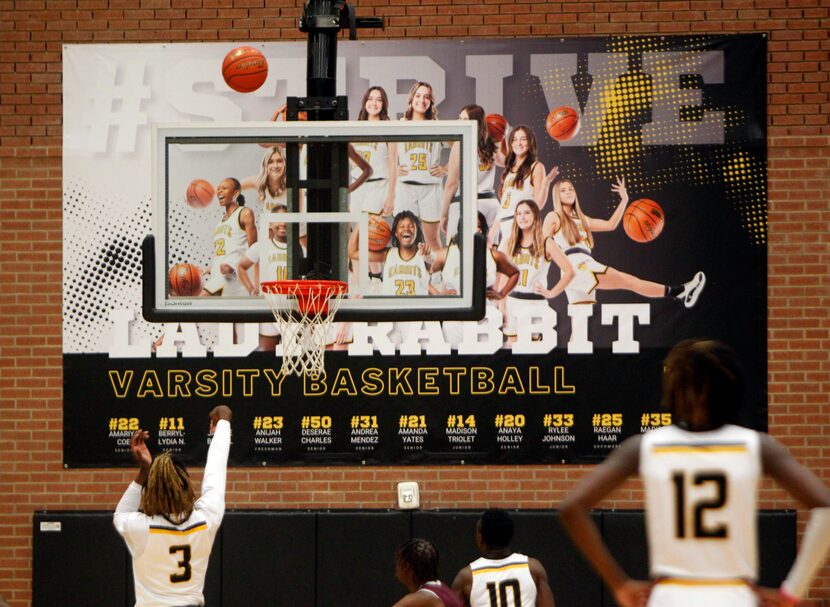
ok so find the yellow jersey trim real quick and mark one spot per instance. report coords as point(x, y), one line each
point(502, 568)
point(172, 531)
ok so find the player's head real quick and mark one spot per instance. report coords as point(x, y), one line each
point(522, 142)
point(406, 230)
point(486, 145)
point(229, 191)
point(169, 490)
point(702, 384)
point(278, 230)
point(272, 176)
point(421, 100)
point(416, 562)
point(566, 204)
point(375, 104)
point(494, 530)
point(526, 222)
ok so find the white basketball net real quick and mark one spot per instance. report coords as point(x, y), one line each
point(304, 328)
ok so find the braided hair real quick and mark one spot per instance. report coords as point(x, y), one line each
point(169, 490)
point(420, 556)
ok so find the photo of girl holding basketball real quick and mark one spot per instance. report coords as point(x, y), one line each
point(377, 194)
point(419, 167)
point(572, 231)
point(234, 233)
point(407, 264)
point(490, 155)
point(532, 254)
point(524, 178)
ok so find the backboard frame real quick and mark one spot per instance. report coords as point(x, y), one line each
point(161, 306)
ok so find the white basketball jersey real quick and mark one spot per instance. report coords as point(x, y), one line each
point(272, 202)
point(505, 582)
point(170, 561)
point(486, 177)
point(452, 269)
point(701, 502)
point(230, 241)
point(272, 257)
point(511, 196)
point(404, 276)
point(532, 269)
point(560, 239)
point(376, 153)
point(418, 156)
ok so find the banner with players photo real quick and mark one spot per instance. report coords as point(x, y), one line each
point(652, 229)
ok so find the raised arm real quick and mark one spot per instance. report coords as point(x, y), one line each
point(621, 464)
point(610, 224)
point(542, 182)
point(212, 499)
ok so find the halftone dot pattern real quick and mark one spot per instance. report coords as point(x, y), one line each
point(626, 106)
point(101, 266)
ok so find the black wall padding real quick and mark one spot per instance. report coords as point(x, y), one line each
point(454, 535)
point(85, 564)
point(345, 558)
point(268, 558)
point(354, 557)
point(776, 545)
point(541, 535)
point(625, 533)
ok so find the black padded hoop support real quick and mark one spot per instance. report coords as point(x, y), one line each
point(328, 165)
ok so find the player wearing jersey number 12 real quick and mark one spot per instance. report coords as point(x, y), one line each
point(701, 477)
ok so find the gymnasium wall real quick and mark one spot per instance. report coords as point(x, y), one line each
point(32, 33)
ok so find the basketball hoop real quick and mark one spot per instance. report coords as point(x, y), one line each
point(304, 310)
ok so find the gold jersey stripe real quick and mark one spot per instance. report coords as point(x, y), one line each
point(171, 531)
point(699, 448)
point(502, 568)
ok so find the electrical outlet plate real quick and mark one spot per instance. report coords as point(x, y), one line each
point(409, 497)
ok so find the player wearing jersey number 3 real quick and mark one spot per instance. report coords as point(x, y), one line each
point(501, 577)
point(701, 477)
point(168, 532)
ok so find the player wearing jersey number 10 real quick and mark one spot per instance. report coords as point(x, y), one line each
point(168, 532)
point(701, 477)
point(501, 576)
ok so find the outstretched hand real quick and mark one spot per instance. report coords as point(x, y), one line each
point(552, 174)
point(619, 188)
point(138, 447)
point(219, 412)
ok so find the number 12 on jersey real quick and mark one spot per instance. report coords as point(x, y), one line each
point(699, 530)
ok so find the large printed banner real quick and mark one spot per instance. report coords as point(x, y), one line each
point(681, 120)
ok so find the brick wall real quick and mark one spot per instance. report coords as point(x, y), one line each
point(31, 35)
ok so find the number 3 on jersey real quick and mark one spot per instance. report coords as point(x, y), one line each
point(717, 482)
point(184, 573)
